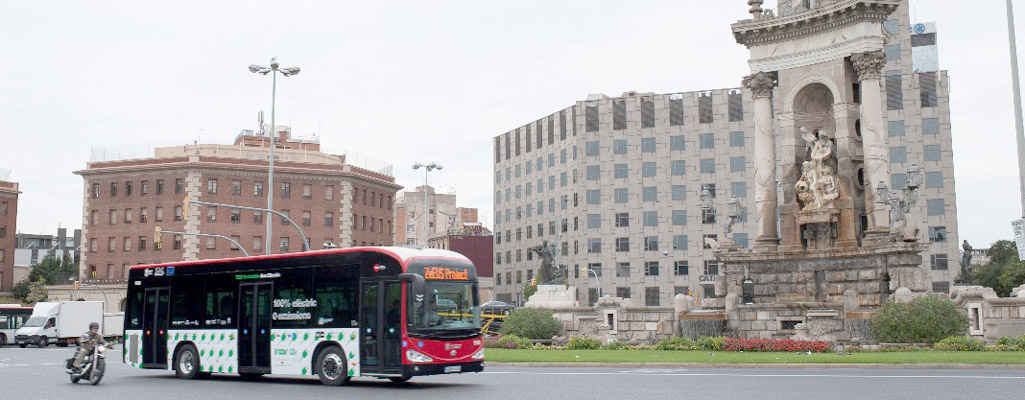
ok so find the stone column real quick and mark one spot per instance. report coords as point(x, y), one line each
point(761, 85)
point(869, 66)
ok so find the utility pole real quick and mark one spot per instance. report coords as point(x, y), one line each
point(1017, 104)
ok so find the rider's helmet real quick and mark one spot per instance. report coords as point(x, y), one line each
point(94, 325)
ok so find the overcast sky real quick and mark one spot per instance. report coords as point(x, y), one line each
point(416, 81)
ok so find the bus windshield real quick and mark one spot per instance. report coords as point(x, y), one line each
point(449, 310)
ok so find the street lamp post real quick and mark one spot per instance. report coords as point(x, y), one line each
point(427, 168)
point(273, 70)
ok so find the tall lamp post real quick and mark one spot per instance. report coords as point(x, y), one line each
point(273, 70)
point(427, 168)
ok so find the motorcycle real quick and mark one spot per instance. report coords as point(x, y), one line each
point(93, 366)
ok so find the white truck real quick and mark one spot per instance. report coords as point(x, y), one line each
point(114, 325)
point(61, 323)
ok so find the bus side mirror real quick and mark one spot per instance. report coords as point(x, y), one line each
point(417, 281)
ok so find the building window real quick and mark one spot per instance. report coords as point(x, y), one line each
point(593, 221)
point(128, 189)
point(594, 245)
point(619, 115)
point(286, 191)
point(128, 215)
point(740, 239)
point(211, 186)
point(892, 51)
point(651, 218)
point(623, 292)
point(126, 244)
point(160, 186)
point(679, 217)
point(681, 268)
point(651, 296)
point(651, 268)
point(935, 207)
point(709, 241)
point(236, 188)
point(144, 188)
point(927, 87)
point(898, 155)
point(707, 165)
point(679, 192)
point(143, 215)
point(591, 120)
point(933, 179)
point(113, 189)
point(211, 243)
point(705, 108)
point(894, 96)
point(307, 218)
point(737, 139)
point(648, 145)
point(211, 214)
point(647, 113)
point(178, 210)
point(649, 169)
point(594, 197)
point(895, 128)
point(736, 105)
point(739, 189)
point(596, 267)
point(177, 242)
point(160, 214)
point(179, 186)
point(931, 152)
point(937, 234)
point(930, 126)
point(711, 267)
point(622, 244)
point(236, 215)
point(707, 140)
point(329, 219)
point(96, 191)
point(623, 270)
point(593, 172)
point(651, 243)
point(258, 189)
point(649, 193)
point(257, 217)
point(938, 262)
point(680, 242)
point(738, 164)
point(283, 245)
point(675, 110)
point(622, 220)
point(142, 243)
point(708, 216)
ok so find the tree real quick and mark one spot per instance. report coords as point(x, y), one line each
point(37, 292)
point(21, 290)
point(53, 271)
point(923, 320)
point(1003, 271)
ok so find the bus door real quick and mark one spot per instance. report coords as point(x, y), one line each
point(254, 328)
point(154, 327)
point(381, 326)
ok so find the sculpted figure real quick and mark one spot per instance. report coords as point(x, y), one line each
point(817, 187)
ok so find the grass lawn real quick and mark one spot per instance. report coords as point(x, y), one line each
point(658, 356)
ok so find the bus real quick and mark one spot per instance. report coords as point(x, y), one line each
point(12, 317)
point(384, 312)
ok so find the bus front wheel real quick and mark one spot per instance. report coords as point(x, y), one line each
point(331, 367)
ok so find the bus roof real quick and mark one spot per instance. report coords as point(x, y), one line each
point(403, 254)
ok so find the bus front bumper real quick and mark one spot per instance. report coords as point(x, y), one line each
point(438, 369)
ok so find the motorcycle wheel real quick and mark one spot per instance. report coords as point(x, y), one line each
point(97, 371)
point(74, 378)
point(23, 344)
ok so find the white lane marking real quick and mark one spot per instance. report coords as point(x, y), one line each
point(763, 375)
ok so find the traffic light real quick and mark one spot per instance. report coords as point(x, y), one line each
point(533, 281)
point(76, 285)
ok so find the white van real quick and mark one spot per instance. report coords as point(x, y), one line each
point(61, 323)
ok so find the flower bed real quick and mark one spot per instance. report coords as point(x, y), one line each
point(737, 344)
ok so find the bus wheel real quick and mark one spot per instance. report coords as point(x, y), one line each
point(186, 364)
point(3, 339)
point(399, 379)
point(331, 368)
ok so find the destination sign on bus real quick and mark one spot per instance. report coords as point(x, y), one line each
point(446, 273)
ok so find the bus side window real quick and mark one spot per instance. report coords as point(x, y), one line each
point(336, 293)
point(290, 292)
point(220, 302)
point(134, 307)
point(186, 302)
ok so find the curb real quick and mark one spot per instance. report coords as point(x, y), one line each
point(1020, 367)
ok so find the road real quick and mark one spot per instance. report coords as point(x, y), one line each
point(34, 373)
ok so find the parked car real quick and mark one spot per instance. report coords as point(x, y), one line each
point(496, 307)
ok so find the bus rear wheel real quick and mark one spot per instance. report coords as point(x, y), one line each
point(186, 364)
point(331, 367)
point(399, 379)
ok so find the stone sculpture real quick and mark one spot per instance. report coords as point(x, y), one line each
point(817, 188)
point(548, 273)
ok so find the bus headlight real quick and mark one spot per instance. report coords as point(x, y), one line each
point(479, 355)
point(417, 357)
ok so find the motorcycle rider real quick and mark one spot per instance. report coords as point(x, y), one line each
point(86, 344)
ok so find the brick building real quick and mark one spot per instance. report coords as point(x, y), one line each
point(442, 215)
point(8, 226)
point(125, 200)
point(475, 242)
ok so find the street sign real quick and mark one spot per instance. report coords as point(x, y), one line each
point(1019, 236)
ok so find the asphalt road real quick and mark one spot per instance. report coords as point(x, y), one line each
point(34, 373)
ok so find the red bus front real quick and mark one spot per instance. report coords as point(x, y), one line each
point(441, 319)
